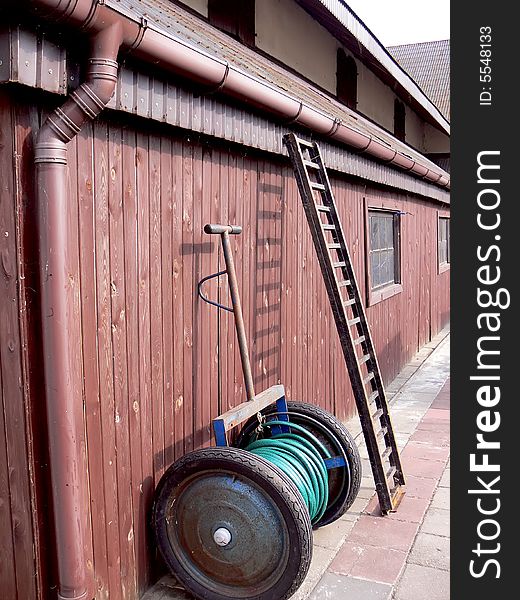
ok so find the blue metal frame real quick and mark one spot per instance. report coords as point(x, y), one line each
point(220, 430)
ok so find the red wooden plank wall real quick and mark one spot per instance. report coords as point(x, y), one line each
point(19, 545)
point(157, 363)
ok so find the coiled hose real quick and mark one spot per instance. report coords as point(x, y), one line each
point(302, 457)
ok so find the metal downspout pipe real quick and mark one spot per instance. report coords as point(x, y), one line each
point(61, 380)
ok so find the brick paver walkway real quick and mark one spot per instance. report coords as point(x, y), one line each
point(404, 556)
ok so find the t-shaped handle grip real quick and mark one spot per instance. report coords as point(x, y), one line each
point(220, 229)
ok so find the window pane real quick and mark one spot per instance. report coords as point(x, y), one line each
point(389, 232)
point(375, 269)
point(383, 248)
point(391, 267)
point(444, 240)
point(374, 233)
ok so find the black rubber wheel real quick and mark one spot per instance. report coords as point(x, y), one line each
point(343, 484)
point(267, 545)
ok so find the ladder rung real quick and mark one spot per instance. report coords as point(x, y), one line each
point(328, 227)
point(368, 378)
point(382, 432)
point(354, 321)
point(386, 452)
point(303, 142)
point(333, 246)
point(358, 341)
point(337, 265)
point(344, 283)
point(364, 359)
point(310, 165)
point(318, 186)
point(322, 208)
point(391, 472)
point(373, 396)
point(377, 414)
point(349, 302)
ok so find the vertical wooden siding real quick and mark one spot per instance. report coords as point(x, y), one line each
point(156, 363)
point(19, 543)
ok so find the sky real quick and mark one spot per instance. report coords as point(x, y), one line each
point(396, 22)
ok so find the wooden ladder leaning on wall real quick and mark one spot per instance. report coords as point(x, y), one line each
point(349, 315)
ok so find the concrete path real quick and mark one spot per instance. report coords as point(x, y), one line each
point(403, 556)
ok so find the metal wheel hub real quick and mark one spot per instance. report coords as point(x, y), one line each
point(227, 532)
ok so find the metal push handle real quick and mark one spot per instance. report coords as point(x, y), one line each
point(224, 231)
point(220, 229)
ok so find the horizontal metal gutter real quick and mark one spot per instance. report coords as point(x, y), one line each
point(172, 54)
point(169, 53)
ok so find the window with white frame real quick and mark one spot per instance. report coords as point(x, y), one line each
point(384, 236)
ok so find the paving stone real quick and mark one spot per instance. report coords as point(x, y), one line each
point(358, 506)
point(369, 562)
point(404, 425)
point(441, 498)
point(408, 371)
point(437, 522)
point(424, 451)
point(331, 536)
point(442, 401)
point(445, 479)
point(348, 555)
point(321, 558)
point(431, 551)
point(397, 384)
point(380, 531)
point(368, 480)
point(424, 383)
point(410, 509)
point(436, 425)
point(439, 439)
point(340, 587)
point(437, 414)
point(380, 564)
point(419, 487)
point(423, 583)
point(366, 492)
point(427, 469)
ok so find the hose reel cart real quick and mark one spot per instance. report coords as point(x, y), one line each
point(236, 521)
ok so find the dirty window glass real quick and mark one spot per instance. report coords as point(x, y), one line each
point(444, 241)
point(384, 248)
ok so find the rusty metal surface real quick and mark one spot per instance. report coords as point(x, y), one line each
point(156, 364)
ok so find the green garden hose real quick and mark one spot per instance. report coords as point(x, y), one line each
point(301, 456)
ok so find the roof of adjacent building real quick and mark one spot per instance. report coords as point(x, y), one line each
point(342, 22)
point(428, 64)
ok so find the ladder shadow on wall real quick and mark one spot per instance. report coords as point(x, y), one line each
point(267, 285)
